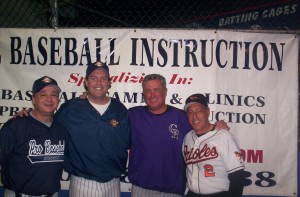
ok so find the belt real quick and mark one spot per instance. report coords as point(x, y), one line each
point(21, 195)
point(219, 194)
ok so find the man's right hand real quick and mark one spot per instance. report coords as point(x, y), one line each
point(22, 113)
point(83, 95)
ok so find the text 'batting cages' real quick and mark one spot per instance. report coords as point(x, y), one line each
point(212, 14)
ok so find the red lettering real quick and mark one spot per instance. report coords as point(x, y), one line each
point(252, 156)
point(76, 78)
point(197, 155)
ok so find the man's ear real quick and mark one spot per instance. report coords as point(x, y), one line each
point(33, 100)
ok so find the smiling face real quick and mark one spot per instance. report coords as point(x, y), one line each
point(97, 85)
point(198, 117)
point(45, 101)
point(155, 95)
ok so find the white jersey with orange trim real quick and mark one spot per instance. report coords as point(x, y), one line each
point(209, 159)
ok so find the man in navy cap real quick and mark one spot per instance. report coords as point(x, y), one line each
point(32, 148)
point(99, 137)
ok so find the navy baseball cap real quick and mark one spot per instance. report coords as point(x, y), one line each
point(195, 98)
point(96, 65)
point(43, 82)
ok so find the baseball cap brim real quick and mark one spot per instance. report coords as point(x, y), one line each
point(187, 105)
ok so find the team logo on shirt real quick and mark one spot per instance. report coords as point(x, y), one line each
point(175, 132)
point(113, 123)
point(198, 155)
point(238, 155)
point(47, 152)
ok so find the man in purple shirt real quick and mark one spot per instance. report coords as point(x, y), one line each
point(156, 165)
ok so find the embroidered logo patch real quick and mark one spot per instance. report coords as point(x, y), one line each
point(173, 129)
point(113, 123)
point(47, 152)
point(99, 64)
point(239, 156)
point(46, 80)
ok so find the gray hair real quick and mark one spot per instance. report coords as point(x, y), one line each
point(155, 77)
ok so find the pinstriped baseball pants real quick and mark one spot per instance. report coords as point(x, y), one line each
point(81, 187)
point(10, 193)
point(141, 192)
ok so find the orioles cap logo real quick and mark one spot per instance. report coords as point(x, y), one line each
point(46, 80)
point(99, 64)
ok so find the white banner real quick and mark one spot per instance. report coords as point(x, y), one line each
point(251, 80)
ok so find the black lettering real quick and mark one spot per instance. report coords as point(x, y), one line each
point(190, 49)
point(70, 49)
point(113, 52)
point(203, 54)
point(16, 55)
point(43, 51)
point(29, 52)
point(218, 53)
point(163, 53)
point(55, 44)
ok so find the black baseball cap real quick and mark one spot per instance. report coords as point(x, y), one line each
point(96, 65)
point(43, 82)
point(195, 98)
